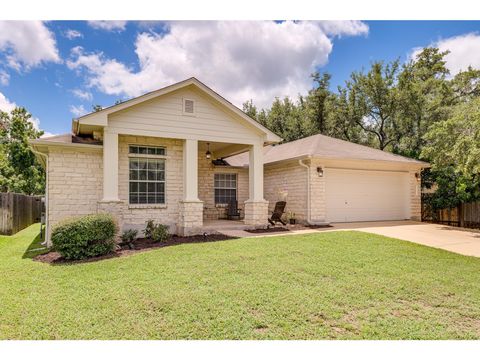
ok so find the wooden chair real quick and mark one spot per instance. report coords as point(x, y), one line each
point(233, 212)
point(277, 213)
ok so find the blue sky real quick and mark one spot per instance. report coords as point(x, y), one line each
point(59, 69)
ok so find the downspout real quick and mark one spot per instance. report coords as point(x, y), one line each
point(47, 230)
point(301, 163)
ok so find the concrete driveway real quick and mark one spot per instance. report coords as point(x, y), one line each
point(461, 241)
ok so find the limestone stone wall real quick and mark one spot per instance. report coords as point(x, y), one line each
point(206, 192)
point(317, 192)
point(287, 182)
point(75, 180)
point(256, 213)
point(415, 197)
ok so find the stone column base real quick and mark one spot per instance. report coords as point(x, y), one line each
point(191, 218)
point(256, 213)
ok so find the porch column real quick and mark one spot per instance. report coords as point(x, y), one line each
point(110, 166)
point(256, 207)
point(191, 208)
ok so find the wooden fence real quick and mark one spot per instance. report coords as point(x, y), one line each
point(465, 215)
point(17, 211)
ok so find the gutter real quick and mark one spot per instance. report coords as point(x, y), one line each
point(47, 230)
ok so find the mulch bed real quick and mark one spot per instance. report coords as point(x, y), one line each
point(140, 245)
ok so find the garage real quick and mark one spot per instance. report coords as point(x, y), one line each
point(366, 195)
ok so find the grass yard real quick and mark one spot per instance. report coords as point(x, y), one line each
point(335, 285)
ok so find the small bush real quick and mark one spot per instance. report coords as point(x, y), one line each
point(84, 237)
point(156, 232)
point(160, 233)
point(129, 236)
point(149, 229)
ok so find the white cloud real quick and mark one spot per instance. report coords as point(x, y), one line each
point(348, 28)
point(77, 110)
point(81, 94)
point(73, 34)
point(4, 78)
point(464, 51)
point(242, 60)
point(27, 44)
point(7, 106)
point(108, 25)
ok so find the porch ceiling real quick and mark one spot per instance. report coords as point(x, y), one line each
point(221, 150)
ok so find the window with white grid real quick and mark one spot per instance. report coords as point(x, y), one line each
point(146, 176)
point(225, 188)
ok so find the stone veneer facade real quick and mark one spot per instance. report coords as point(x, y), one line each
point(76, 182)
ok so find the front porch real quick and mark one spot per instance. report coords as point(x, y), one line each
point(210, 188)
point(196, 191)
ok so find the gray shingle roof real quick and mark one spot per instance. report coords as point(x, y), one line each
point(324, 147)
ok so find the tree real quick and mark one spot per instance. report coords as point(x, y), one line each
point(375, 97)
point(317, 101)
point(424, 95)
point(456, 141)
point(19, 169)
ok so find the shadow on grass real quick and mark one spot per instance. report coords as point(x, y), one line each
point(36, 248)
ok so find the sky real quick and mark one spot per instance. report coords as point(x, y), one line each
point(59, 69)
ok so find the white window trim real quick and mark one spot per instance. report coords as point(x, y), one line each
point(194, 107)
point(222, 205)
point(164, 157)
point(155, 156)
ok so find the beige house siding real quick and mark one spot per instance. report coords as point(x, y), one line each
point(74, 183)
point(288, 182)
point(164, 117)
point(206, 193)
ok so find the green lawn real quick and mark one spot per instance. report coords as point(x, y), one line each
point(345, 285)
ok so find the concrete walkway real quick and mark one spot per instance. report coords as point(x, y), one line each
point(461, 241)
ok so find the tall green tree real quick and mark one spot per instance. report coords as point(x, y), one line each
point(19, 169)
point(375, 97)
point(424, 95)
point(317, 102)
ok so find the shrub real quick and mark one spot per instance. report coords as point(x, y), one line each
point(84, 237)
point(160, 233)
point(129, 236)
point(149, 229)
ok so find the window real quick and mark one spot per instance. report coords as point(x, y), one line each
point(146, 175)
point(225, 188)
point(146, 150)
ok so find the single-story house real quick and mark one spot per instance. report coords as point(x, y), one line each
point(179, 154)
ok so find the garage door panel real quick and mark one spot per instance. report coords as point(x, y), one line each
point(360, 195)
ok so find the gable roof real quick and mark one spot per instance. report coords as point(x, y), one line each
point(100, 117)
point(324, 147)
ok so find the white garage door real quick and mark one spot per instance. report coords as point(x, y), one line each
point(361, 195)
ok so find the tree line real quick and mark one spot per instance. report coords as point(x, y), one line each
point(415, 109)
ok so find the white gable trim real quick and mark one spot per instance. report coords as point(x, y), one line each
point(100, 118)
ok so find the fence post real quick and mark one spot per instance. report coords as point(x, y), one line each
point(460, 213)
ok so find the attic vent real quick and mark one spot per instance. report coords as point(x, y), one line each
point(188, 106)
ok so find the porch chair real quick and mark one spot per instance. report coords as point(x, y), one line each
point(233, 212)
point(277, 213)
